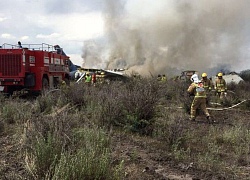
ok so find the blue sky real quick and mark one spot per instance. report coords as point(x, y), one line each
point(144, 35)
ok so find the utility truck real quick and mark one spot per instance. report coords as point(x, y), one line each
point(32, 67)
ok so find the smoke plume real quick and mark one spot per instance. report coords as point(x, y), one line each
point(167, 36)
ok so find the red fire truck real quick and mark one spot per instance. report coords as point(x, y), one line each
point(32, 67)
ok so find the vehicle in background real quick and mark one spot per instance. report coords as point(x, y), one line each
point(32, 67)
point(186, 75)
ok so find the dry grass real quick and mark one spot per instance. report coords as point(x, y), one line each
point(68, 133)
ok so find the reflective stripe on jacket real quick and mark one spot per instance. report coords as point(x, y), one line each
point(207, 84)
point(194, 89)
point(220, 85)
point(88, 78)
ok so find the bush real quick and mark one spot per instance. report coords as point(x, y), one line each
point(140, 97)
point(44, 104)
point(45, 143)
point(9, 114)
point(16, 112)
point(130, 105)
point(76, 94)
point(74, 143)
point(92, 160)
point(65, 147)
point(109, 109)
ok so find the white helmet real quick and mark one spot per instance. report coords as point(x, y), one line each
point(194, 78)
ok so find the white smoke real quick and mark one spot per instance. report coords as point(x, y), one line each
point(164, 36)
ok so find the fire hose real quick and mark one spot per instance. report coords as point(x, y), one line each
point(222, 109)
point(227, 108)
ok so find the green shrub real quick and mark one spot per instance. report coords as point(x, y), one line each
point(46, 153)
point(108, 108)
point(130, 104)
point(9, 114)
point(65, 147)
point(18, 111)
point(44, 104)
point(91, 160)
point(140, 97)
point(73, 144)
point(237, 139)
point(76, 94)
point(46, 139)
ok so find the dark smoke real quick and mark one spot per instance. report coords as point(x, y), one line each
point(168, 36)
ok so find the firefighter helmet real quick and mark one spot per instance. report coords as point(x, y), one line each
point(220, 74)
point(204, 75)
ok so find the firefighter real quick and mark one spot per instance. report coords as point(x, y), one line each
point(63, 85)
point(102, 77)
point(220, 86)
point(207, 84)
point(88, 78)
point(196, 88)
point(94, 78)
point(19, 44)
point(159, 77)
point(164, 78)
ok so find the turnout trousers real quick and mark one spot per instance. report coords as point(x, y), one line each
point(198, 102)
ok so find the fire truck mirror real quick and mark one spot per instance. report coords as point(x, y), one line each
point(67, 62)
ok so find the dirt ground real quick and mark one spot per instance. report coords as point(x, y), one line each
point(11, 163)
point(144, 157)
point(147, 158)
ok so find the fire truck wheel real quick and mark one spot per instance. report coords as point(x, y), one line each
point(45, 85)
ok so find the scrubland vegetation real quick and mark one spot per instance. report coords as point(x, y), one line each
point(73, 133)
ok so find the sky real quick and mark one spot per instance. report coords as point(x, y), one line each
point(147, 36)
point(66, 23)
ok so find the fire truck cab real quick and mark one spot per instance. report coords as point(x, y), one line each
point(32, 67)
